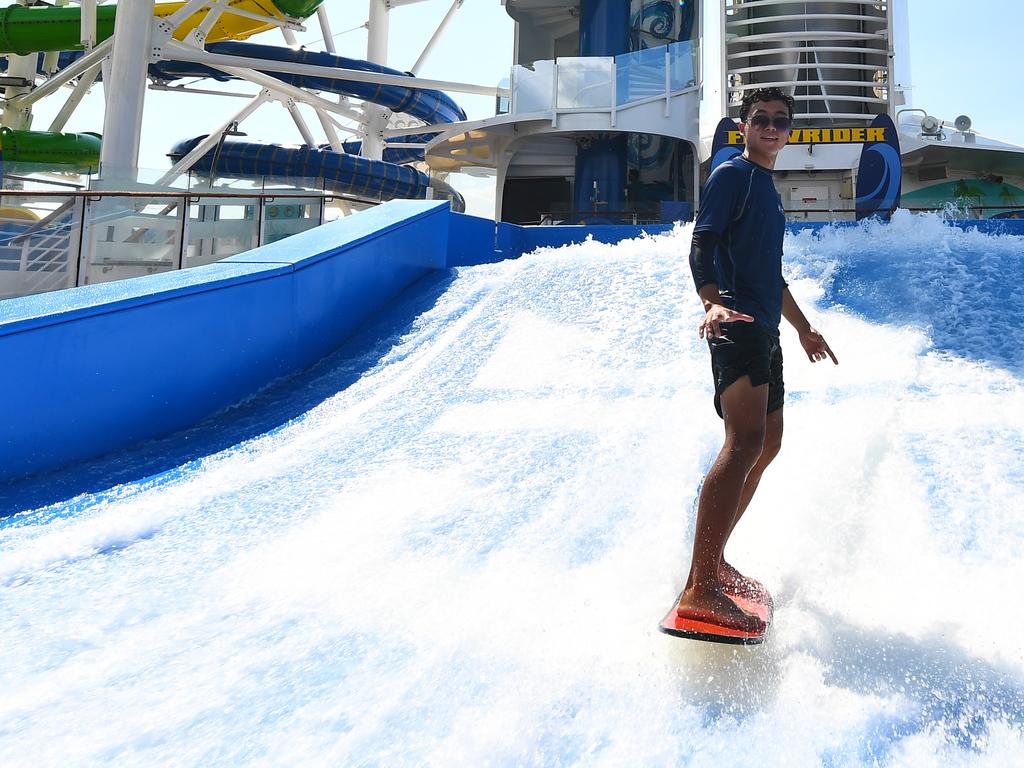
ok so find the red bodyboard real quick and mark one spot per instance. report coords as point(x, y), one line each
point(692, 629)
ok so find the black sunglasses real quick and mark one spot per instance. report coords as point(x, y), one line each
point(778, 123)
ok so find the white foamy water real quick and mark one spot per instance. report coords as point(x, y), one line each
point(460, 558)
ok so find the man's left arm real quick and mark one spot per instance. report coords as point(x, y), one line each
point(814, 343)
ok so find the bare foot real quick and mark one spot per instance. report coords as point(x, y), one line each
point(710, 604)
point(735, 583)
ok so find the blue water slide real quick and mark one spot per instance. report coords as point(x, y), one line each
point(339, 172)
point(346, 172)
point(428, 105)
point(343, 173)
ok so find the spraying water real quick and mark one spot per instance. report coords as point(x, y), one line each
point(451, 543)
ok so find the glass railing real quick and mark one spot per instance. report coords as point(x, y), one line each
point(51, 240)
point(604, 83)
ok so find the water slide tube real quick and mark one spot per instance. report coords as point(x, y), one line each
point(79, 152)
point(25, 30)
point(33, 29)
point(340, 172)
point(343, 173)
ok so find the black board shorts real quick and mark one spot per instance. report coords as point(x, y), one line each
point(747, 349)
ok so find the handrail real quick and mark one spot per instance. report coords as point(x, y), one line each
point(86, 235)
point(196, 193)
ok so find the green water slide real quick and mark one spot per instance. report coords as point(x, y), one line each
point(68, 151)
point(26, 30)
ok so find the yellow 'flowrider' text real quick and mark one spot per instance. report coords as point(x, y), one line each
point(825, 136)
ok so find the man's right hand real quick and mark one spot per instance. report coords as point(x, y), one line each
point(717, 314)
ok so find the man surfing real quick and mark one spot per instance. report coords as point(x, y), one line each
point(736, 260)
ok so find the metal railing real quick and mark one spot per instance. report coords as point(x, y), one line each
point(59, 239)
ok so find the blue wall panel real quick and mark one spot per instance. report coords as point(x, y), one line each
point(554, 237)
point(93, 369)
point(471, 240)
point(986, 226)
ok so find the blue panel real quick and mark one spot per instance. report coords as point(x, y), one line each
point(338, 294)
point(880, 173)
point(601, 173)
point(104, 381)
point(471, 240)
point(554, 237)
point(25, 312)
point(985, 226)
point(604, 27)
point(509, 240)
point(675, 210)
point(90, 370)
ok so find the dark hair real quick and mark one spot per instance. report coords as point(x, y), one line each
point(765, 94)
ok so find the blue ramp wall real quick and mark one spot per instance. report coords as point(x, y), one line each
point(90, 370)
point(93, 369)
point(473, 240)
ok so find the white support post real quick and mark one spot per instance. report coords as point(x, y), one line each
point(51, 60)
point(19, 115)
point(126, 90)
point(554, 94)
point(377, 33)
point(615, 93)
point(24, 67)
point(200, 33)
point(376, 52)
point(88, 22)
point(175, 19)
point(668, 82)
point(332, 135)
point(300, 123)
point(325, 29)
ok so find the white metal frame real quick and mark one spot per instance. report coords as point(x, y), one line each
point(140, 38)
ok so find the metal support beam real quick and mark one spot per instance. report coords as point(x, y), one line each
point(377, 53)
point(18, 115)
point(325, 29)
point(77, 94)
point(377, 32)
point(66, 75)
point(438, 33)
point(283, 90)
point(126, 91)
point(186, 163)
point(88, 22)
point(300, 123)
point(177, 51)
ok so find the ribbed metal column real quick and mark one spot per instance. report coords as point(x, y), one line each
point(833, 57)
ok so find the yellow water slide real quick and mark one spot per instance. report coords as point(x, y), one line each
point(33, 29)
point(26, 30)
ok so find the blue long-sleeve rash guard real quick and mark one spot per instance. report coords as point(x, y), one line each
point(737, 240)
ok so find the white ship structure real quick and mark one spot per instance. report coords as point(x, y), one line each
point(614, 106)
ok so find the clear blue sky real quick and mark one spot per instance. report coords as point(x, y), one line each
point(960, 55)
